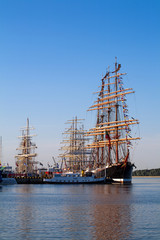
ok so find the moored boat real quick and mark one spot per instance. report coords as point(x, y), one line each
point(8, 181)
point(112, 135)
point(7, 176)
point(26, 166)
point(74, 178)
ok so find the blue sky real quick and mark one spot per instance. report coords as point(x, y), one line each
point(52, 56)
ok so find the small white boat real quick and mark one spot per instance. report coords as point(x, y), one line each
point(74, 178)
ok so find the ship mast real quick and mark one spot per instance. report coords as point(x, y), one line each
point(97, 155)
point(116, 113)
point(102, 119)
point(109, 110)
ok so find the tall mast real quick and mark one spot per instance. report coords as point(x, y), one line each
point(116, 110)
point(27, 143)
point(97, 153)
point(109, 110)
point(102, 119)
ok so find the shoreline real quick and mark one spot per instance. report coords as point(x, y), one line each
point(146, 176)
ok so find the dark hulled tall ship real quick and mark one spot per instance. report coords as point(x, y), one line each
point(112, 137)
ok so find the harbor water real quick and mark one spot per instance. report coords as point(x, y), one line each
point(112, 212)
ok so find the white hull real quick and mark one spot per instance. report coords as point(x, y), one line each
point(122, 180)
point(74, 180)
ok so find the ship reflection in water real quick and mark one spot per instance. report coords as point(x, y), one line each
point(26, 211)
point(112, 220)
point(64, 212)
point(89, 212)
point(108, 214)
point(67, 212)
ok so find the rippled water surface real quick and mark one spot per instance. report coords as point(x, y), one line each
point(81, 211)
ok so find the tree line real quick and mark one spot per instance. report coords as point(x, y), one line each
point(146, 172)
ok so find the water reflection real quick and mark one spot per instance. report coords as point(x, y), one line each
point(26, 189)
point(111, 212)
point(112, 222)
point(96, 212)
point(104, 214)
point(25, 210)
point(112, 215)
point(69, 212)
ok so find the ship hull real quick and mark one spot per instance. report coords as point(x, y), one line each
point(120, 173)
point(65, 182)
point(8, 181)
point(29, 180)
point(73, 179)
point(117, 173)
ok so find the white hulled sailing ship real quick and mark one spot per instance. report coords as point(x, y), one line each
point(75, 158)
point(25, 159)
point(112, 133)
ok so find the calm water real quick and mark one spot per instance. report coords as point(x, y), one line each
point(81, 211)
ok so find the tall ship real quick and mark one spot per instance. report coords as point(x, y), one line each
point(112, 135)
point(74, 155)
point(25, 159)
point(26, 165)
point(76, 160)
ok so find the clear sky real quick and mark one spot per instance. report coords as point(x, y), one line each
point(52, 56)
